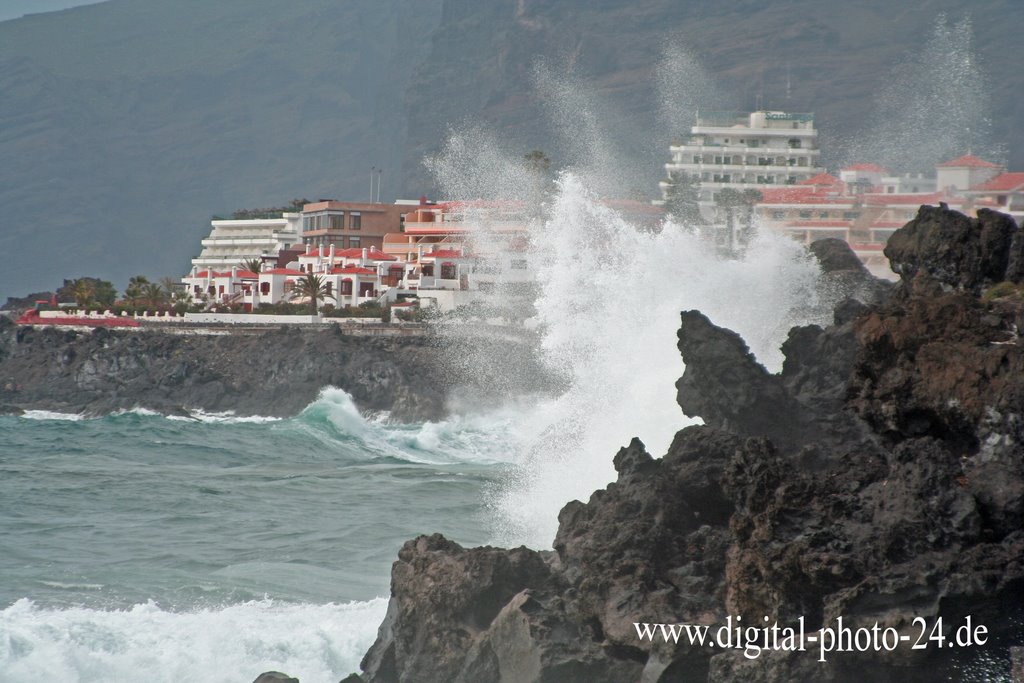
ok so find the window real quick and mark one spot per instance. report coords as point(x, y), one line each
point(778, 215)
point(428, 269)
point(337, 221)
point(518, 264)
point(805, 214)
point(346, 287)
point(794, 143)
point(696, 159)
point(264, 288)
point(850, 215)
point(354, 242)
point(823, 214)
point(355, 220)
point(330, 289)
point(448, 271)
point(307, 223)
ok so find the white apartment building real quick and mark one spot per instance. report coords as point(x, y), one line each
point(738, 150)
point(232, 241)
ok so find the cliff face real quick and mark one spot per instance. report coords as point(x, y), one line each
point(277, 372)
point(879, 477)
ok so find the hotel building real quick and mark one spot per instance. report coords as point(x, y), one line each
point(231, 242)
point(755, 150)
point(349, 225)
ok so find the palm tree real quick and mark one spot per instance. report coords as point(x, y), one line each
point(153, 294)
point(728, 200)
point(133, 293)
point(253, 265)
point(682, 200)
point(313, 287)
point(83, 291)
point(751, 197)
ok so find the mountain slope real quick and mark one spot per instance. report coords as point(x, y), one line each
point(834, 59)
point(125, 125)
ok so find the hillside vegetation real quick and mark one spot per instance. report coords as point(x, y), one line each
point(125, 125)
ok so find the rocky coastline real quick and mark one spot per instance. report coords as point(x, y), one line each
point(879, 477)
point(275, 372)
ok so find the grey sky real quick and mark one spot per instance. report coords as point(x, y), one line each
point(12, 9)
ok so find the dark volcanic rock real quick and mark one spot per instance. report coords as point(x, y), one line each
point(442, 598)
point(959, 252)
point(843, 276)
point(276, 372)
point(275, 677)
point(878, 478)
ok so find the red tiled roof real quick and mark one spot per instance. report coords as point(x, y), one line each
point(818, 224)
point(353, 270)
point(967, 161)
point(1004, 182)
point(242, 274)
point(801, 194)
point(868, 168)
point(282, 271)
point(914, 198)
point(821, 179)
point(446, 253)
point(372, 254)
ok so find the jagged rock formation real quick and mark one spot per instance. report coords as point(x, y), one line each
point(278, 372)
point(879, 477)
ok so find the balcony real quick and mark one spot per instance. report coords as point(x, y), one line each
point(239, 242)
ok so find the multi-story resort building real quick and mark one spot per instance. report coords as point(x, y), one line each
point(231, 242)
point(349, 225)
point(744, 150)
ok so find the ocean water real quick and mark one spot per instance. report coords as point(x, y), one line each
point(136, 547)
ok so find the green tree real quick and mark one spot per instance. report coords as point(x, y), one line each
point(83, 292)
point(134, 293)
point(254, 265)
point(682, 200)
point(154, 295)
point(750, 198)
point(313, 287)
point(103, 292)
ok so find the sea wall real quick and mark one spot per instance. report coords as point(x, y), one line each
point(878, 478)
point(276, 371)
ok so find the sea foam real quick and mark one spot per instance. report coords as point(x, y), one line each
point(316, 643)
